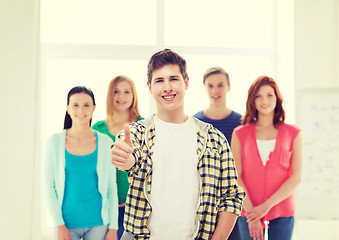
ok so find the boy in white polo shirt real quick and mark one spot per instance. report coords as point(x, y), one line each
point(183, 181)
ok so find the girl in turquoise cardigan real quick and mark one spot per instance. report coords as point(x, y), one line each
point(80, 181)
point(121, 108)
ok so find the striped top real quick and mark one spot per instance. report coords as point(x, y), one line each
point(225, 125)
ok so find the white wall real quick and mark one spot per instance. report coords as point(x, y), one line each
point(18, 89)
point(317, 68)
point(316, 44)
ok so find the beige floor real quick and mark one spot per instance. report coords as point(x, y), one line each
point(308, 229)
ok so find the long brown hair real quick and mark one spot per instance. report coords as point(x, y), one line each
point(110, 110)
point(251, 114)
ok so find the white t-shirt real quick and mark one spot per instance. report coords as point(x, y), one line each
point(175, 181)
point(265, 147)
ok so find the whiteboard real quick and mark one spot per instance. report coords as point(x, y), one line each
point(318, 117)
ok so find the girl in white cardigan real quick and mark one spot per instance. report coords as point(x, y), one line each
point(80, 181)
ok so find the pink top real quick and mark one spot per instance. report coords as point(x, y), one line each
point(262, 181)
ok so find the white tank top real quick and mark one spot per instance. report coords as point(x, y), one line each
point(265, 147)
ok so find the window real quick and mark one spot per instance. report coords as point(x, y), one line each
point(100, 22)
point(219, 23)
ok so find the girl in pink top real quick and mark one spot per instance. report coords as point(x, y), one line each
point(268, 157)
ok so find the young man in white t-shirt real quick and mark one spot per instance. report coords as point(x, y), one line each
point(183, 181)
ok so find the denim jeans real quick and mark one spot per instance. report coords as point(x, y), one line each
point(279, 229)
point(92, 233)
point(121, 221)
point(235, 235)
point(126, 236)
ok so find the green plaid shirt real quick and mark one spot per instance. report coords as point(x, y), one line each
point(219, 190)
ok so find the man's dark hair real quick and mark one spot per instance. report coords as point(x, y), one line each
point(165, 57)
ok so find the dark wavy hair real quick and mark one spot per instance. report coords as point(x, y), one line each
point(166, 57)
point(75, 90)
point(251, 114)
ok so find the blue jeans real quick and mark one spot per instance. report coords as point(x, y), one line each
point(92, 233)
point(127, 236)
point(121, 221)
point(279, 229)
point(235, 235)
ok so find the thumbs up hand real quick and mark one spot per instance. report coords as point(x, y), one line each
point(127, 139)
point(121, 152)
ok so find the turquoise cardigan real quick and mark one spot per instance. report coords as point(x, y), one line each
point(54, 179)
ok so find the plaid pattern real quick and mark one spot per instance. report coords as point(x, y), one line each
point(219, 190)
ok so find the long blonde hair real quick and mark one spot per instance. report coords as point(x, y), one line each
point(110, 110)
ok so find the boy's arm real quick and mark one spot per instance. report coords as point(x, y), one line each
point(225, 224)
point(232, 195)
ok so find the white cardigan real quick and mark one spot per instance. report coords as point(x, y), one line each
point(54, 178)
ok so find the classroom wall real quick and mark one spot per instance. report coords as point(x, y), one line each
point(316, 43)
point(18, 93)
point(316, 62)
point(317, 86)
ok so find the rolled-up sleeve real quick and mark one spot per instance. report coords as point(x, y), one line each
point(232, 194)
